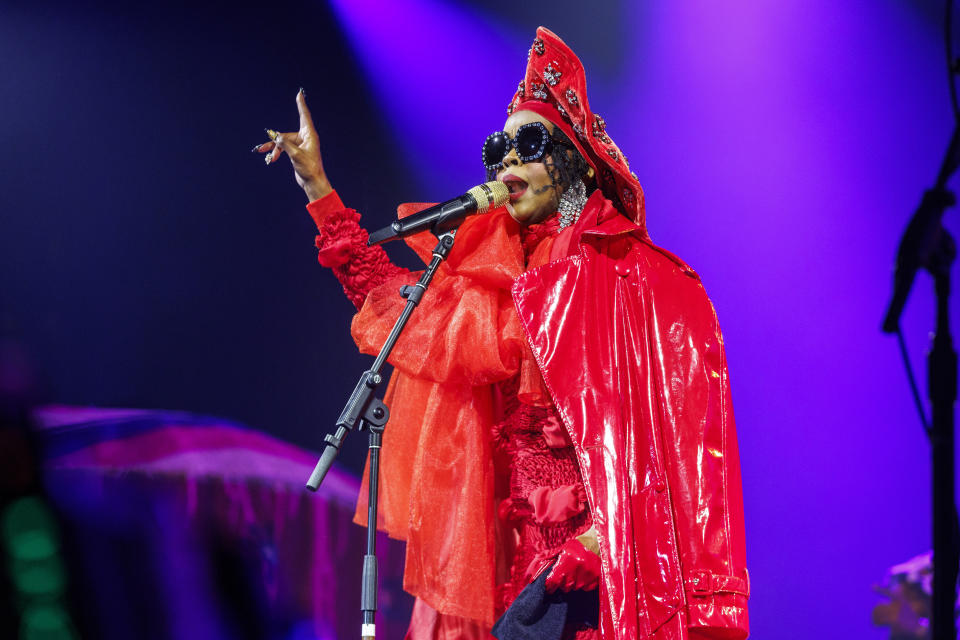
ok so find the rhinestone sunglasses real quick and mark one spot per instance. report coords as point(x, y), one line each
point(532, 143)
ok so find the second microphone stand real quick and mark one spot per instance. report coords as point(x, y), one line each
point(926, 244)
point(365, 411)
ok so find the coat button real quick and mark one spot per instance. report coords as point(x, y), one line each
point(622, 270)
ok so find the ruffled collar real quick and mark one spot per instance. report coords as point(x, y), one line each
point(532, 235)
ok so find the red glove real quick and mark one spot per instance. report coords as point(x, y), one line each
point(577, 568)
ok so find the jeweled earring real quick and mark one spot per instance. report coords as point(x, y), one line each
point(572, 202)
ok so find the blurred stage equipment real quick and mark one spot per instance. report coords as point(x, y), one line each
point(186, 526)
point(926, 244)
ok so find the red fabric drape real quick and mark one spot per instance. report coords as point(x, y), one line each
point(436, 458)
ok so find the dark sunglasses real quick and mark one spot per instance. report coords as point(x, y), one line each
point(532, 143)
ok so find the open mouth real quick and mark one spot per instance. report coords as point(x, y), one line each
point(516, 186)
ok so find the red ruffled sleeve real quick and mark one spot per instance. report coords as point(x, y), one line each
point(465, 330)
point(342, 247)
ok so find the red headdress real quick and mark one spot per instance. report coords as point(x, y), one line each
point(555, 87)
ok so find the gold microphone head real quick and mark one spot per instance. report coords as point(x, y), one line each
point(489, 195)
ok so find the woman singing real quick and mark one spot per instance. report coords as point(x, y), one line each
point(561, 457)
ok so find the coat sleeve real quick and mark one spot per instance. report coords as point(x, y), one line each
point(700, 455)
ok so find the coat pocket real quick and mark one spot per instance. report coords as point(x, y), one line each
point(658, 564)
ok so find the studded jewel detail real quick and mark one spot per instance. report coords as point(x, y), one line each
point(552, 75)
point(572, 98)
point(538, 91)
point(572, 202)
point(578, 130)
point(563, 112)
point(628, 197)
point(600, 129)
point(538, 46)
point(613, 154)
point(520, 89)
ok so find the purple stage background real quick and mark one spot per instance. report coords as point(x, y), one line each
point(148, 260)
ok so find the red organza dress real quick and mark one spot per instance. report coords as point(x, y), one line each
point(541, 501)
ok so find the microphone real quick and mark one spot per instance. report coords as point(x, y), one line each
point(445, 216)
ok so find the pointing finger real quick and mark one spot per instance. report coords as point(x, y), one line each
point(306, 121)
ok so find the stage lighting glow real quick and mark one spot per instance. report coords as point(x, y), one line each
point(443, 76)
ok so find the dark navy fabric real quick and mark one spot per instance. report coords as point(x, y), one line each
point(538, 615)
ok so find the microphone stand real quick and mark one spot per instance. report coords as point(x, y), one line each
point(364, 411)
point(925, 243)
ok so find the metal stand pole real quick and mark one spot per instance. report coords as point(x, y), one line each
point(368, 601)
point(942, 380)
point(926, 244)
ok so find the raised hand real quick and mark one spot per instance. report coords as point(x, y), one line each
point(303, 149)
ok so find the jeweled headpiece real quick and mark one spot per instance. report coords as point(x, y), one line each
point(555, 86)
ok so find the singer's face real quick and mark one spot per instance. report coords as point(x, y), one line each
point(533, 194)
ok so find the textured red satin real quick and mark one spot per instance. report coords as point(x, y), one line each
point(631, 352)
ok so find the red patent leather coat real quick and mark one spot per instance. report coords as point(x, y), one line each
point(629, 347)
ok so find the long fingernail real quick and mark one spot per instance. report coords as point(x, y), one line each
point(302, 92)
point(268, 158)
point(273, 134)
point(256, 148)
